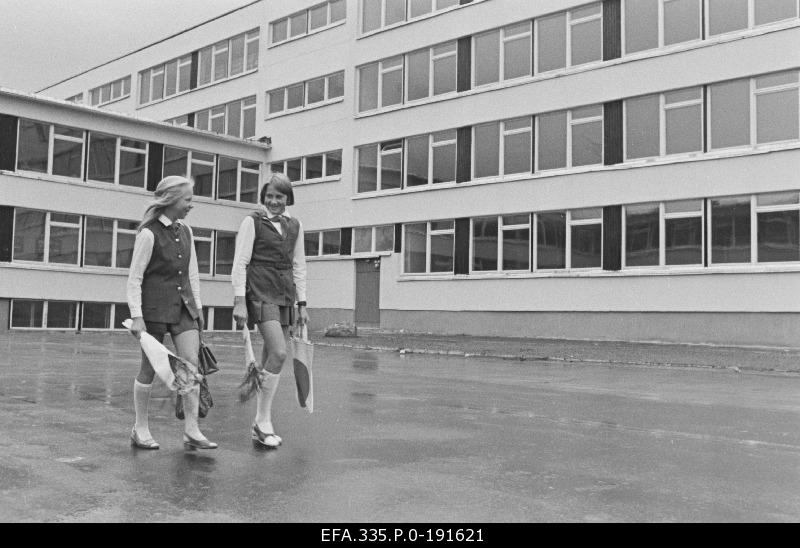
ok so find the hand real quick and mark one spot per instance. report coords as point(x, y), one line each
point(302, 316)
point(239, 312)
point(201, 323)
point(138, 326)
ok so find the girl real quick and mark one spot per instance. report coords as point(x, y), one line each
point(164, 296)
point(269, 273)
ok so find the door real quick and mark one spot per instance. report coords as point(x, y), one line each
point(368, 285)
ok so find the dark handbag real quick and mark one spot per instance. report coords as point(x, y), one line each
point(206, 360)
point(206, 402)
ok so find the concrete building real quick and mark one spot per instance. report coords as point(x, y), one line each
point(621, 169)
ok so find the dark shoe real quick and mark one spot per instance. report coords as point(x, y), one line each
point(142, 444)
point(191, 444)
point(266, 439)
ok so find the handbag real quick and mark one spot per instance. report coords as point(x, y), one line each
point(303, 358)
point(206, 360)
point(206, 402)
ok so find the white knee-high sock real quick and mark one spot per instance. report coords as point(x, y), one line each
point(191, 407)
point(141, 401)
point(269, 385)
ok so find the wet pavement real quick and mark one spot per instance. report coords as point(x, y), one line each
point(404, 437)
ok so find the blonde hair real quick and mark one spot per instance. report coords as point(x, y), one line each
point(167, 193)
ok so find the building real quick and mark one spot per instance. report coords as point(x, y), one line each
point(618, 169)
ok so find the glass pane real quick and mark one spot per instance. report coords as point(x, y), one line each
point(61, 314)
point(98, 241)
point(517, 153)
point(384, 238)
point(298, 24)
point(330, 242)
point(642, 127)
point(730, 114)
point(295, 96)
point(588, 213)
point(63, 245)
point(517, 58)
point(444, 163)
point(768, 11)
point(726, 15)
point(27, 313)
point(417, 163)
point(34, 146)
point(294, 169)
point(226, 245)
point(442, 225)
point(252, 53)
point(338, 10)
point(157, 84)
point(131, 169)
point(391, 171)
point(445, 74)
point(184, 76)
point(116, 89)
point(681, 21)
point(201, 120)
point(552, 42)
point(587, 42)
point(551, 240)
point(587, 246)
point(204, 68)
point(395, 11)
point(237, 55)
point(587, 143)
point(121, 313)
point(105, 93)
point(552, 141)
point(522, 219)
point(314, 167)
point(777, 198)
point(102, 157)
point(487, 150)
point(249, 188)
point(418, 74)
point(249, 123)
point(279, 30)
point(641, 25)
point(125, 244)
point(226, 178)
point(336, 85)
point(370, 15)
point(684, 241)
point(684, 129)
point(333, 163)
point(777, 79)
point(318, 17)
point(29, 228)
point(223, 318)
point(683, 206)
point(414, 247)
point(172, 78)
point(315, 91)
point(419, 7)
point(203, 176)
point(311, 243)
point(276, 100)
point(730, 230)
point(368, 168)
point(368, 87)
point(442, 4)
point(778, 238)
point(392, 91)
point(67, 158)
point(777, 116)
point(484, 244)
point(144, 88)
point(96, 316)
point(487, 58)
point(442, 253)
point(641, 235)
point(516, 247)
point(203, 251)
point(362, 240)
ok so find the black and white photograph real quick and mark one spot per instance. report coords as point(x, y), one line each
point(399, 270)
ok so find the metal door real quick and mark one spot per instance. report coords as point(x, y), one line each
point(368, 286)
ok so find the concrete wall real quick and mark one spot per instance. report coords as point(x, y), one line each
point(5, 314)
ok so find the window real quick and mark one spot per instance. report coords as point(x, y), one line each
point(502, 148)
point(108, 242)
point(311, 243)
point(642, 235)
point(585, 238)
point(730, 230)
point(754, 111)
point(125, 238)
point(223, 318)
point(683, 233)
point(326, 242)
point(431, 71)
point(237, 180)
point(380, 166)
point(733, 15)
point(107, 93)
point(51, 149)
point(372, 239)
point(27, 314)
point(551, 241)
point(313, 168)
point(237, 118)
point(78, 99)
point(569, 38)
point(198, 166)
point(102, 157)
point(317, 91)
point(431, 158)
point(570, 138)
point(44, 314)
point(46, 237)
point(97, 316)
point(501, 243)
point(650, 24)
point(225, 248)
point(380, 84)
point(778, 227)
point(133, 163)
point(377, 14)
point(311, 20)
point(664, 124)
point(428, 247)
point(502, 54)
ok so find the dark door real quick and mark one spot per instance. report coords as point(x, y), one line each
point(368, 289)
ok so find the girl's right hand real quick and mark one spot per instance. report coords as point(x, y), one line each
point(138, 326)
point(239, 312)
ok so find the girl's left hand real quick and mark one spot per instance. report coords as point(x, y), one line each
point(302, 316)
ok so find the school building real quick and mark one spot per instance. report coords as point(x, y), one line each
point(618, 169)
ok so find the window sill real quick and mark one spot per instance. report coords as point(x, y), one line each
point(198, 88)
point(317, 181)
point(306, 35)
point(321, 258)
point(424, 17)
point(320, 104)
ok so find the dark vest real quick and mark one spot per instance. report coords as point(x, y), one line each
point(166, 287)
point(270, 275)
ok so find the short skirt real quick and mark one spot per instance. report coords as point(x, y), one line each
point(258, 312)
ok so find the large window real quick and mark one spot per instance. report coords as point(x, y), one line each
point(237, 180)
point(380, 84)
point(431, 71)
point(43, 314)
point(502, 54)
point(314, 19)
point(203, 246)
point(735, 15)
point(502, 148)
point(237, 118)
point(372, 239)
point(225, 249)
point(754, 111)
point(113, 91)
point(663, 124)
point(320, 243)
point(570, 138)
point(652, 24)
point(49, 148)
point(380, 166)
point(46, 237)
point(377, 14)
point(313, 168)
point(431, 159)
point(428, 247)
point(319, 91)
point(501, 243)
point(108, 242)
point(198, 166)
point(569, 239)
point(569, 38)
point(778, 227)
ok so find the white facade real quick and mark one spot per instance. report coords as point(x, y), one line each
point(692, 101)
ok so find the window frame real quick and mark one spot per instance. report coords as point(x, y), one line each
point(751, 20)
point(570, 23)
point(429, 235)
point(124, 92)
point(309, 31)
point(502, 227)
point(663, 108)
point(661, 24)
point(502, 134)
point(284, 90)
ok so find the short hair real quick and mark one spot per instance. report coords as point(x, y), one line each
point(282, 184)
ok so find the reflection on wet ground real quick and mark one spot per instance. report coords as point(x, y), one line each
point(398, 438)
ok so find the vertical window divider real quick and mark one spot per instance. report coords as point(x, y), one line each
point(46, 253)
point(533, 252)
point(114, 235)
point(624, 238)
point(50, 148)
point(753, 230)
point(662, 235)
point(568, 241)
point(428, 247)
point(662, 121)
point(753, 106)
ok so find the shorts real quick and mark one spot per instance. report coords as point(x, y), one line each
point(159, 329)
point(258, 312)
